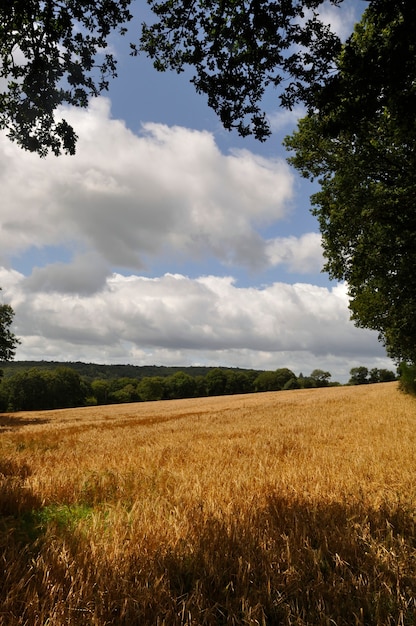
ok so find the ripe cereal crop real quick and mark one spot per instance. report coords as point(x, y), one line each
point(294, 508)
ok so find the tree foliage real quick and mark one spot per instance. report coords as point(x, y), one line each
point(275, 381)
point(53, 53)
point(36, 389)
point(360, 145)
point(359, 375)
point(320, 377)
point(237, 49)
point(407, 381)
point(362, 376)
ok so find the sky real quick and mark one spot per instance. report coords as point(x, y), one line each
point(168, 240)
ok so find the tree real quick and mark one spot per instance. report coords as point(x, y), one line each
point(128, 393)
point(360, 145)
point(101, 390)
point(54, 53)
point(152, 388)
point(292, 383)
point(407, 380)
point(381, 376)
point(8, 341)
point(29, 391)
point(283, 376)
point(267, 381)
point(320, 378)
point(37, 389)
point(180, 385)
point(275, 381)
point(238, 382)
point(359, 376)
point(386, 376)
point(306, 382)
point(66, 388)
point(216, 382)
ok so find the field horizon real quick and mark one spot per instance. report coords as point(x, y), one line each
point(289, 507)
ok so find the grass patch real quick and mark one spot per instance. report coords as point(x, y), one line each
point(62, 518)
point(33, 526)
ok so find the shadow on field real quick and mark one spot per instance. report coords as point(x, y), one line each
point(298, 562)
point(282, 562)
point(14, 422)
point(16, 497)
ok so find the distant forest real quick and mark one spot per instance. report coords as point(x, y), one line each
point(39, 385)
point(108, 372)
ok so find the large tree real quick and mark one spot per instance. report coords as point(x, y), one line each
point(360, 144)
point(53, 52)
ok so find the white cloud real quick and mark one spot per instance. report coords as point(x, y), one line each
point(285, 119)
point(175, 319)
point(86, 274)
point(127, 198)
point(301, 254)
point(341, 18)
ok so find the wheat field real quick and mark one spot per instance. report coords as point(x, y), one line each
point(293, 507)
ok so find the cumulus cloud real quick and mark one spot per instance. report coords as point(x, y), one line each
point(174, 318)
point(86, 274)
point(130, 201)
point(301, 254)
point(341, 18)
point(131, 198)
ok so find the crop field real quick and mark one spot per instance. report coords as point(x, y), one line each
point(293, 507)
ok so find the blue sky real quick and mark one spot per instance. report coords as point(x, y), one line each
point(167, 240)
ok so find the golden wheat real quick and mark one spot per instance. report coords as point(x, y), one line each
point(292, 507)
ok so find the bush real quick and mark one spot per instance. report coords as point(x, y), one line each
point(407, 378)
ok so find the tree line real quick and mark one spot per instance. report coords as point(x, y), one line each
point(362, 375)
point(36, 389)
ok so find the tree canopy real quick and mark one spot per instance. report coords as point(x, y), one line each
point(55, 53)
point(361, 147)
point(236, 49)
